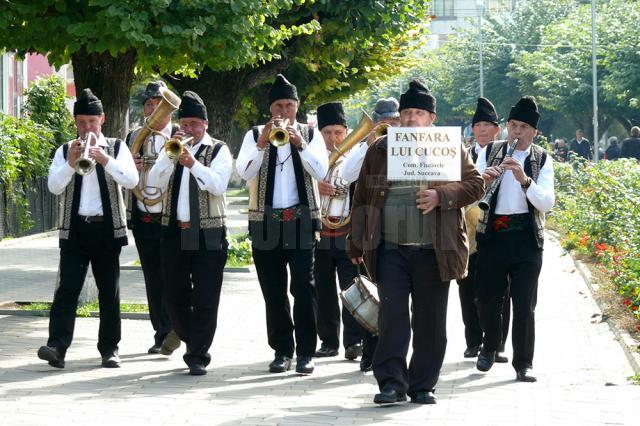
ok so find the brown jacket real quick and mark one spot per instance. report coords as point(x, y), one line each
point(446, 222)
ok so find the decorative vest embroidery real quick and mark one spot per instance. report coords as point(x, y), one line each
point(267, 172)
point(534, 162)
point(212, 207)
point(113, 206)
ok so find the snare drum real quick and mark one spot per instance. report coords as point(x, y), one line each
point(361, 300)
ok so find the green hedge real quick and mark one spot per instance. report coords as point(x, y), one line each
point(598, 214)
point(25, 148)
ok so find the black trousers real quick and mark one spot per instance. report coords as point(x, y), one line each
point(410, 275)
point(193, 284)
point(468, 292)
point(147, 237)
point(295, 249)
point(510, 259)
point(90, 247)
point(330, 257)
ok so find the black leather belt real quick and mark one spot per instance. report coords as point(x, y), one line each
point(91, 219)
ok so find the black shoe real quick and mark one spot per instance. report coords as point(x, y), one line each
point(485, 360)
point(365, 363)
point(472, 351)
point(197, 370)
point(524, 375)
point(353, 351)
point(155, 349)
point(111, 360)
point(170, 343)
point(304, 365)
point(424, 397)
point(280, 364)
point(389, 396)
point(51, 355)
point(501, 359)
point(325, 351)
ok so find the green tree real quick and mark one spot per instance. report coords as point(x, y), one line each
point(46, 105)
point(506, 37)
point(560, 70)
point(24, 156)
point(106, 40)
point(358, 42)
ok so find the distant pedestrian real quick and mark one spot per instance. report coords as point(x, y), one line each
point(613, 151)
point(561, 153)
point(631, 146)
point(581, 146)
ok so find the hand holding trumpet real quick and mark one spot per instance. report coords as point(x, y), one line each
point(185, 157)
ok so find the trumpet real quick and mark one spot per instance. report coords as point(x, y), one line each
point(174, 147)
point(85, 165)
point(279, 136)
point(484, 201)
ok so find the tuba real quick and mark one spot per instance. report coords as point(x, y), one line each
point(338, 202)
point(85, 165)
point(169, 103)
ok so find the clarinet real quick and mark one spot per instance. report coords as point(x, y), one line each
point(484, 201)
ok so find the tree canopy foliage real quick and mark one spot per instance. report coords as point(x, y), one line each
point(330, 46)
point(542, 49)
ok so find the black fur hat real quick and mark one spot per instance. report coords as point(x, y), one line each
point(418, 96)
point(192, 106)
point(87, 104)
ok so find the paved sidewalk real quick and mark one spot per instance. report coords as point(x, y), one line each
point(581, 369)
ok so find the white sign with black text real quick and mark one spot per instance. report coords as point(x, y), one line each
point(423, 153)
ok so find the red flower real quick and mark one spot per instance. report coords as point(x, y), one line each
point(601, 246)
point(288, 215)
point(146, 218)
point(627, 302)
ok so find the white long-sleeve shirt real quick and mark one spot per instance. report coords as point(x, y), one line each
point(154, 147)
point(511, 197)
point(122, 169)
point(285, 193)
point(351, 165)
point(213, 179)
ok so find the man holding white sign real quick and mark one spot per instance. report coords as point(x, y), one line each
point(409, 230)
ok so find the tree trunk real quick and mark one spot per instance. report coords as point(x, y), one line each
point(222, 93)
point(110, 79)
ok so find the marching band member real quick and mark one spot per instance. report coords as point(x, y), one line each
point(93, 229)
point(330, 255)
point(144, 219)
point(485, 129)
point(510, 237)
point(385, 113)
point(194, 243)
point(414, 243)
point(284, 219)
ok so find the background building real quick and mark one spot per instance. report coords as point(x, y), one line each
point(15, 76)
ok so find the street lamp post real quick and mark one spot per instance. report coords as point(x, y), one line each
point(594, 65)
point(480, 5)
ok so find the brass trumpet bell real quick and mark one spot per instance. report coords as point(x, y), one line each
point(279, 136)
point(85, 165)
point(174, 147)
